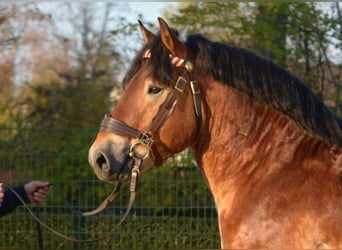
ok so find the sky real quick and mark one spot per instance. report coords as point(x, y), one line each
point(131, 11)
point(150, 10)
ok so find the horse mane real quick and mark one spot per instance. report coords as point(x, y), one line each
point(262, 79)
point(255, 76)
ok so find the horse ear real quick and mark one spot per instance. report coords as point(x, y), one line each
point(170, 40)
point(147, 35)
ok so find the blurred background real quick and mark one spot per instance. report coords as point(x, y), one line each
point(61, 66)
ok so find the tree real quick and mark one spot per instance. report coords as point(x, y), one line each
point(269, 30)
point(191, 15)
point(312, 33)
point(297, 36)
point(60, 93)
point(92, 45)
point(14, 20)
point(85, 62)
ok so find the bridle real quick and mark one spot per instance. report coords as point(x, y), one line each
point(145, 139)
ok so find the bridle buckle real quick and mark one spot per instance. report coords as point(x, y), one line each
point(146, 138)
point(145, 141)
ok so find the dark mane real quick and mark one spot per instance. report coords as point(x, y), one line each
point(257, 77)
point(265, 81)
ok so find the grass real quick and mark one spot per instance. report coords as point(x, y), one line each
point(138, 232)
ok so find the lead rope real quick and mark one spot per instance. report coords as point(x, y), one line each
point(132, 188)
point(39, 231)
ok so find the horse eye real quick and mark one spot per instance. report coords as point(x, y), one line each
point(152, 90)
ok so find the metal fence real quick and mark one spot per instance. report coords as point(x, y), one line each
point(174, 208)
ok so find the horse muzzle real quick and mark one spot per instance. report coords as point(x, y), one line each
point(111, 161)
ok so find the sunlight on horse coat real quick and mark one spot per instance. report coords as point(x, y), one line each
point(268, 147)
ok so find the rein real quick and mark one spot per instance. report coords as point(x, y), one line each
point(103, 205)
point(145, 139)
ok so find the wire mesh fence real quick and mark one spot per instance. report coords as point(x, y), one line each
point(173, 209)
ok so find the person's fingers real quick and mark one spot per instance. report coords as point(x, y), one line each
point(41, 194)
point(37, 191)
point(39, 198)
point(45, 189)
point(41, 184)
point(33, 186)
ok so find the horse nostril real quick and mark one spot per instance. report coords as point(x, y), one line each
point(102, 162)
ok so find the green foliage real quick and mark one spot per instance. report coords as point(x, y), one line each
point(46, 128)
point(171, 196)
point(63, 105)
point(270, 29)
point(173, 209)
point(137, 233)
point(194, 17)
point(295, 35)
point(75, 90)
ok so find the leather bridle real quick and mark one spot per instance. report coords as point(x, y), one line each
point(145, 139)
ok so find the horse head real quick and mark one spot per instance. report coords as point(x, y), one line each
point(155, 116)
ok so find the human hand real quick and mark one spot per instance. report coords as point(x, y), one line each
point(1, 194)
point(37, 191)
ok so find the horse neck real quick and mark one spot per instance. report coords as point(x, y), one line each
point(243, 140)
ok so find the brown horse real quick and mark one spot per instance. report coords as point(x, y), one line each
point(268, 147)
